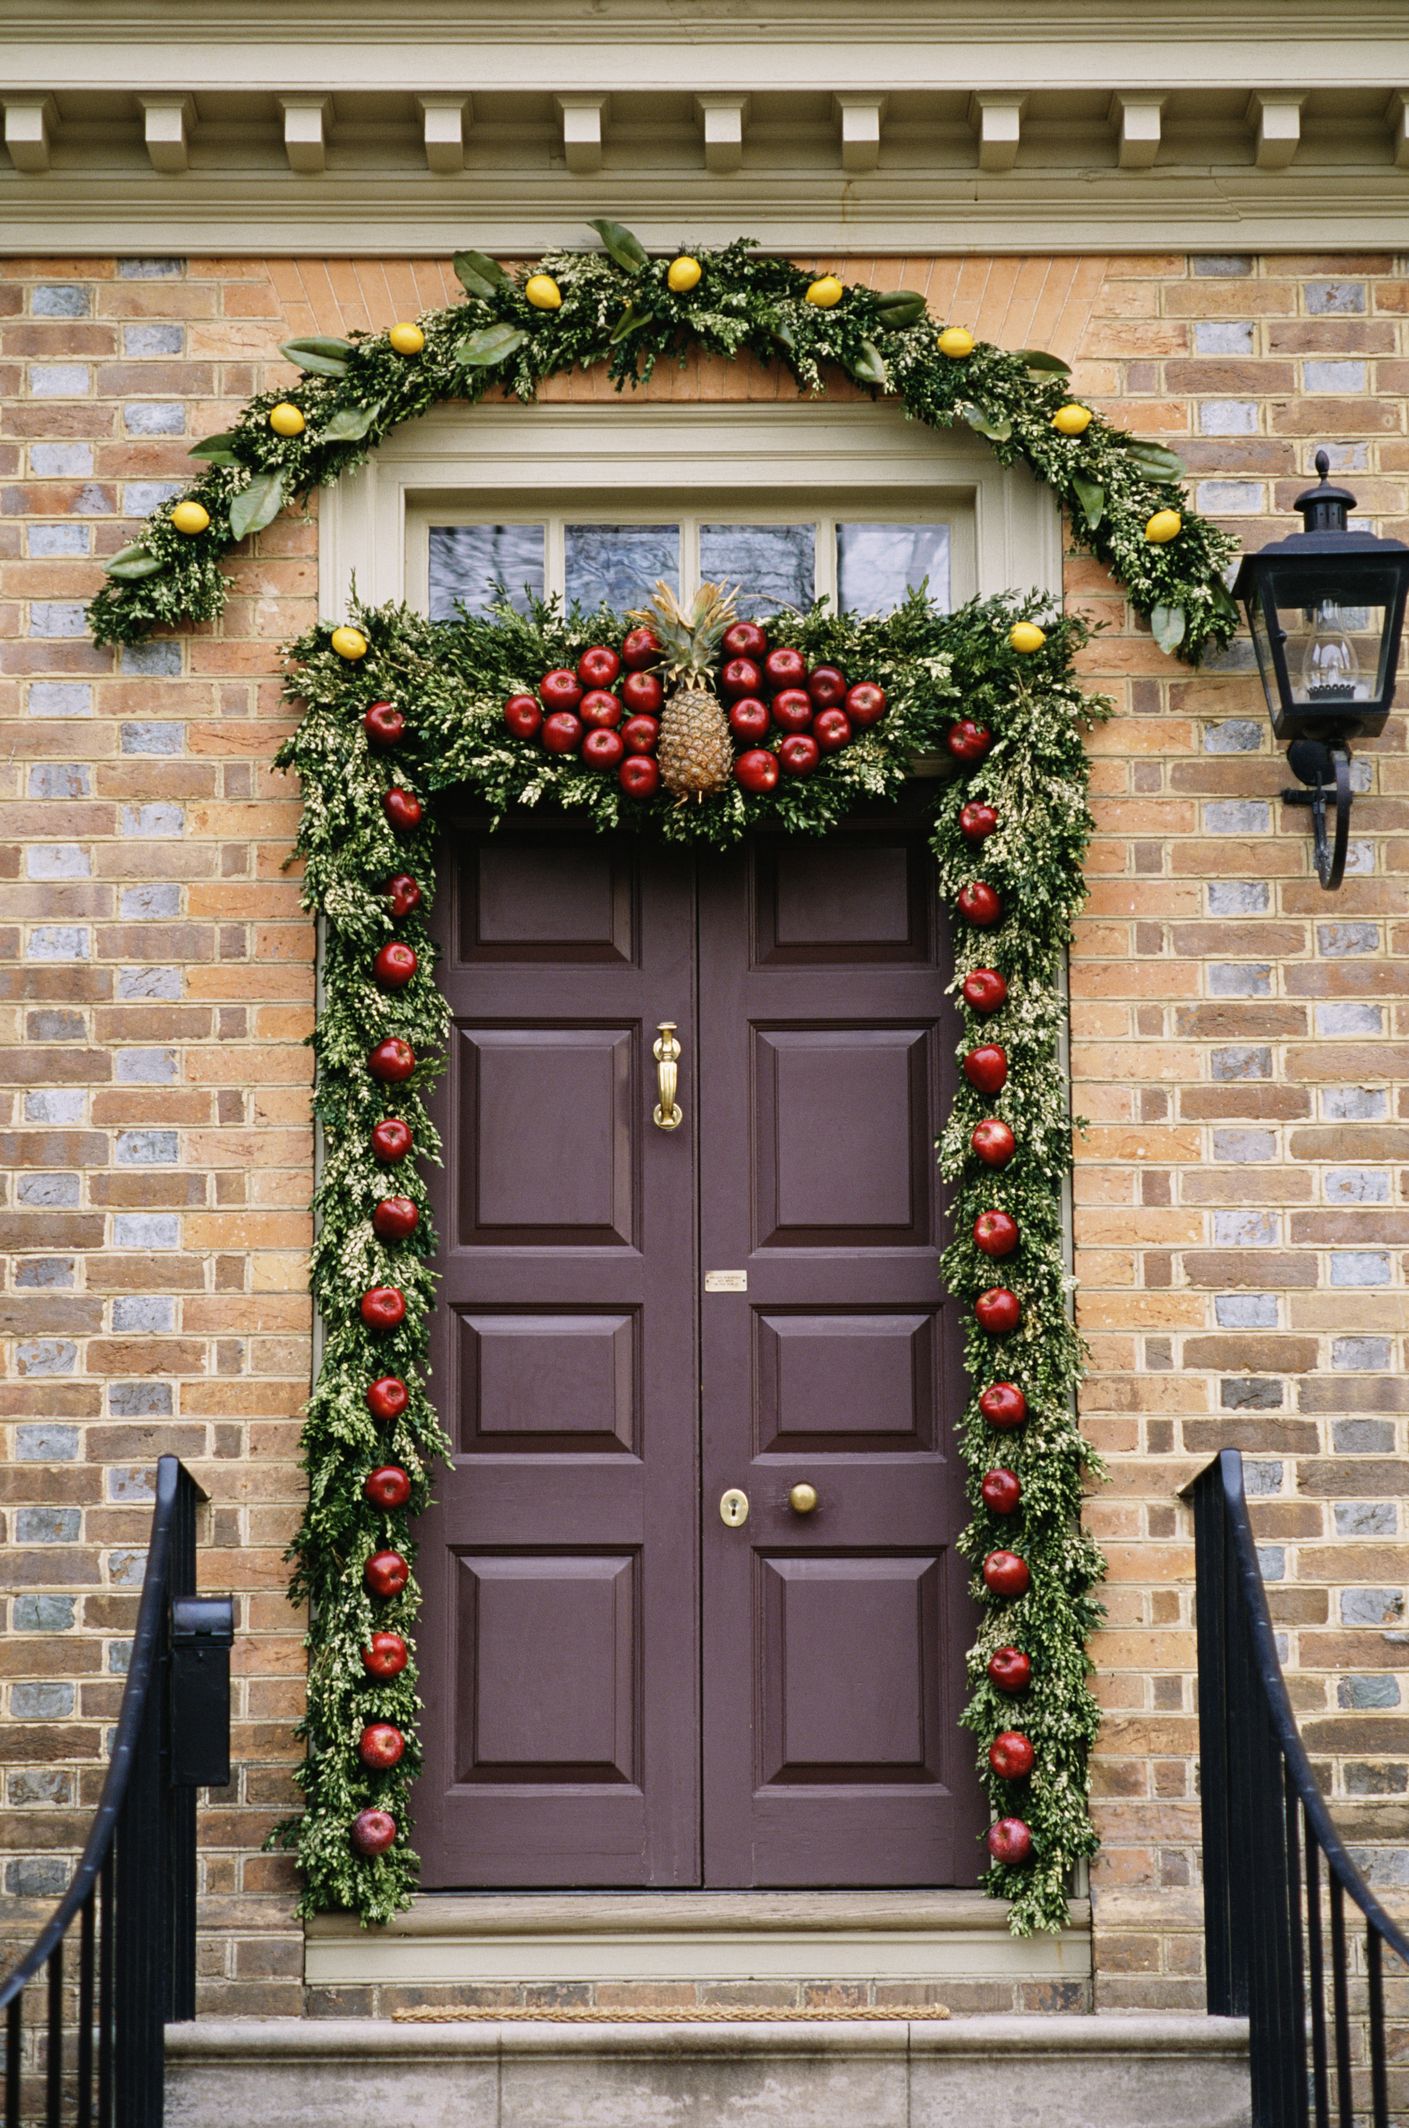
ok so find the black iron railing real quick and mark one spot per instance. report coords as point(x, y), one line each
point(84, 2022)
point(1281, 1949)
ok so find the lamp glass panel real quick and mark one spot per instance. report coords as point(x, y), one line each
point(1335, 653)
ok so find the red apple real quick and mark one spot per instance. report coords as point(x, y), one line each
point(1003, 1405)
point(599, 709)
point(1010, 1670)
point(382, 1307)
point(403, 893)
point(785, 668)
point(392, 1139)
point(827, 686)
point(1001, 1491)
point(395, 964)
point(792, 709)
point(392, 1060)
point(986, 1068)
point(977, 820)
point(402, 808)
point(757, 770)
point(373, 1832)
point(748, 718)
point(396, 1219)
point(740, 676)
point(387, 1486)
point(985, 990)
point(387, 1398)
point(523, 715)
point(1010, 1841)
point(380, 1746)
point(386, 1573)
point(981, 904)
point(996, 1233)
point(1005, 1574)
point(746, 640)
point(560, 689)
point(1011, 1755)
point(968, 741)
point(384, 724)
point(865, 704)
point(639, 776)
point(639, 734)
point(831, 729)
point(598, 667)
point(643, 694)
point(993, 1141)
point(603, 749)
point(999, 1311)
point(561, 732)
point(641, 648)
point(799, 753)
point(385, 1655)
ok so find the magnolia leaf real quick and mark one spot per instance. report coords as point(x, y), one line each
point(869, 367)
point(215, 450)
point(1156, 462)
point(133, 562)
point(491, 344)
point(625, 250)
point(257, 505)
point(349, 424)
point(1224, 602)
point(1052, 365)
point(630, 321)
point(479, 275)
point(1092, 497)
point(900, 307)
point(321, 358)
point(1167, 627)
point(784, 335)
point(996, 430)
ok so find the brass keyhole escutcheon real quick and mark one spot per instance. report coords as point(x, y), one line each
point(734, 1508)
point(802, 1498)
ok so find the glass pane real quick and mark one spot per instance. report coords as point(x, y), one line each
point(774, 565)
point(877, 564)
point(620, 565)
point(466, 561)
point(1334, 652)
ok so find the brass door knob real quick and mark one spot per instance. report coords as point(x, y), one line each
point(802, 1498)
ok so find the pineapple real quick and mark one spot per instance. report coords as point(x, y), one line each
point(695, 750)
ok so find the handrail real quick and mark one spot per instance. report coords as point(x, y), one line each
point(1267, 1951)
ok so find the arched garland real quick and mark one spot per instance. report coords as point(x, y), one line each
point(620, 307)
point(1007, 723)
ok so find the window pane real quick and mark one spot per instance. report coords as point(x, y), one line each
point(466, 561)
point(878, 564)
point(775, 565)
point(620, 565)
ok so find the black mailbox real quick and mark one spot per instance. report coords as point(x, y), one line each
point(202, 1631)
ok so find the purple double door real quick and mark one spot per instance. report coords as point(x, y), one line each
point(623, 1688)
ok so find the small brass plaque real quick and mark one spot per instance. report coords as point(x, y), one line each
point(726, 1281)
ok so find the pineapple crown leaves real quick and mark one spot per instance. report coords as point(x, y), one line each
point(690, 640)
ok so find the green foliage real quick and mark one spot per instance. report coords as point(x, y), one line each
point(451, 680)
point(618, 308)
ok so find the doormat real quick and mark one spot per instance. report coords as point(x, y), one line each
point(707, 2014)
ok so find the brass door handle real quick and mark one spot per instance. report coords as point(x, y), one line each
point(802, 1498)
point(666, 1114)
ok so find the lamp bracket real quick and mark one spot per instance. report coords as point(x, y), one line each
point(1323, 772)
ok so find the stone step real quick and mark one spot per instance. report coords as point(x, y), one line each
point(1120, 2071)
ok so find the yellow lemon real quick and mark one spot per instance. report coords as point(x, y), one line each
point(1163, 526)
point(407, 339)
point(190, 517)
point(956, 342)
point(349, 643)
point(1072, 419)
point(1025, 635)
point(826, 293)
point(683, 275)
point(286, 420)
point(543, 292)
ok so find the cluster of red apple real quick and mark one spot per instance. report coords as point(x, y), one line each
point(585, 711)
point(998, 1309)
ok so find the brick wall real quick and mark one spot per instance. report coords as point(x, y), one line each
point(1239, 1046)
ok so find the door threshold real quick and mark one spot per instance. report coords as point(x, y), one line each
point(525, 1937)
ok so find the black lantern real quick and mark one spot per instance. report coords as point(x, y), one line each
point(1326, 606)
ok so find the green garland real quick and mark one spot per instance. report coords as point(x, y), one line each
point(619, 306)
point(450, 680)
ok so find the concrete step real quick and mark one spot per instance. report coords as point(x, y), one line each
point(1128, 2071)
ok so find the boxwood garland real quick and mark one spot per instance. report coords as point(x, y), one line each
point(620, 307)
point(450, 680)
